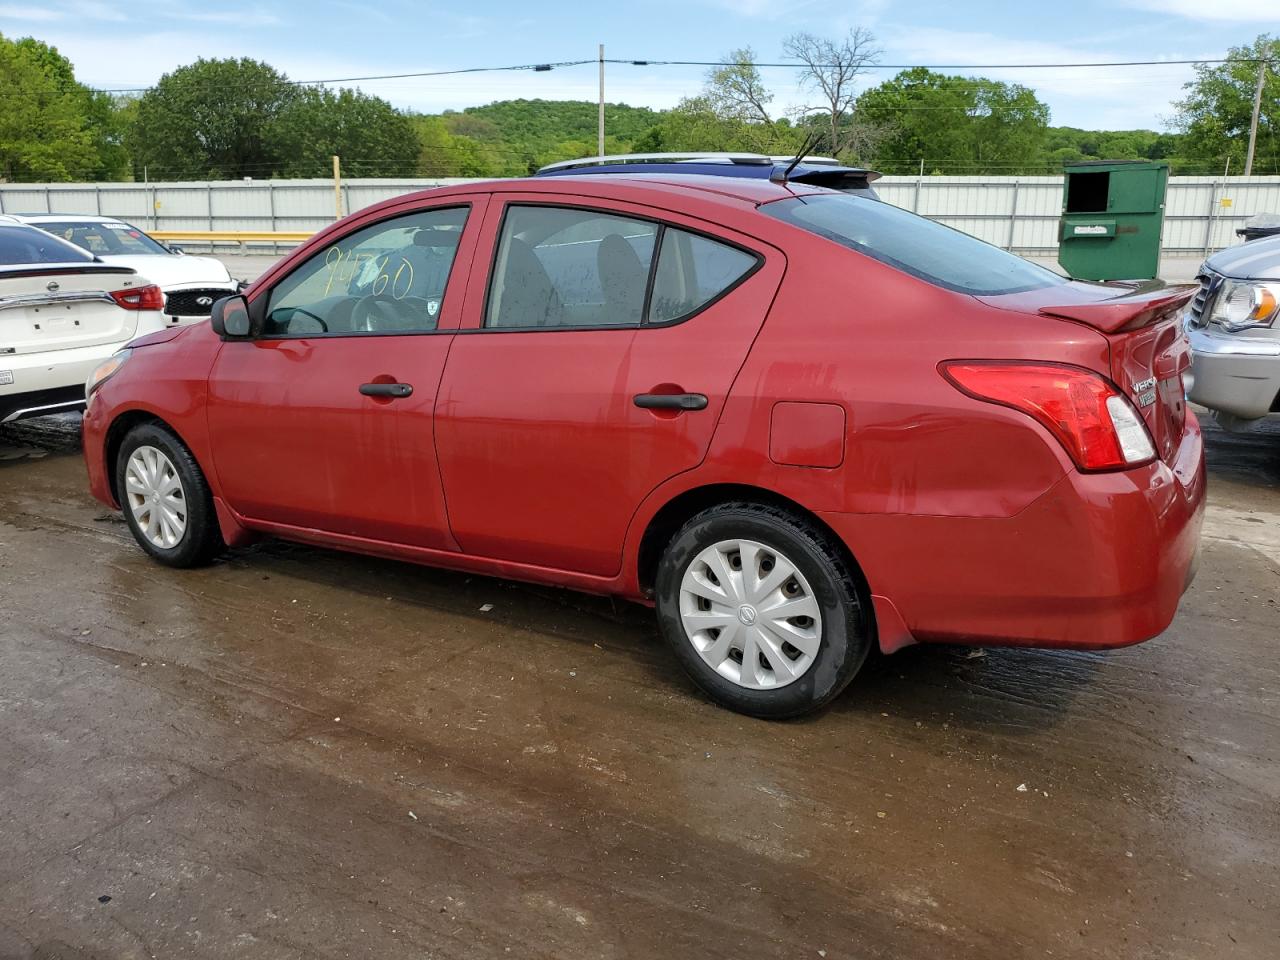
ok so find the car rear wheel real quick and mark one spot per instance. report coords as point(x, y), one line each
point(761, 610)
point(165, 498)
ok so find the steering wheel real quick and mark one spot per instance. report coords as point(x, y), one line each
point(362, 314)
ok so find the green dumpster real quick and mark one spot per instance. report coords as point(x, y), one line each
point(1112, 212)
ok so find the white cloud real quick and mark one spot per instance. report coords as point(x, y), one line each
point(1260, 11)
point(95, 10)
point(856, 12)
point(255, 18)
point(33, 14)
point(73, 10)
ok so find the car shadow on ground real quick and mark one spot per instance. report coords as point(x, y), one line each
point(1009, 689)
point(1020, 691)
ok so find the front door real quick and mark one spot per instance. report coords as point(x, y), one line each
point(325, 420)
point(587, 374)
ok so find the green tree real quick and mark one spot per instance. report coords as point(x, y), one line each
point(44, 129)
point(736, 91)
point(444, 154)
point(695, 126)
point(372, 138)
point(1071, 145)
point(213, 119)
point(1216, 111)
point(955, 124)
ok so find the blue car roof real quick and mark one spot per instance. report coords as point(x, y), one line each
point(811, 173)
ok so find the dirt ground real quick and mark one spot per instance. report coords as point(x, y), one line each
point(302, 754)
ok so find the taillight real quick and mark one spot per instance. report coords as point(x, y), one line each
point(1096, 423)
point(140, 298)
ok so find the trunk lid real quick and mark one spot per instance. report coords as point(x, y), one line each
point(47, 307)
point(1148, 349)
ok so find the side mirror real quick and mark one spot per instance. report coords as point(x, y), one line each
point(230, 318)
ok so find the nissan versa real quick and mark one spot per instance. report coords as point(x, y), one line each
point(801, 423)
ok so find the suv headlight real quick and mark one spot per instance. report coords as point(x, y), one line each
point(105, 371)
point(1243, 305)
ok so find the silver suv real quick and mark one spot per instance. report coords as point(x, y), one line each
point(1234, 328)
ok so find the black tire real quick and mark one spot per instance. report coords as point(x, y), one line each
point(201, 541)
point(846, 631)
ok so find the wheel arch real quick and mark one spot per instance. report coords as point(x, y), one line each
point(116, 432)
point(681, 508)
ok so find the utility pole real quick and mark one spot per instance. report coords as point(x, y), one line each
point(1253, 125)
point(600, 125)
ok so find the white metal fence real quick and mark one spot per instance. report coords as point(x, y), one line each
point(1018, 213)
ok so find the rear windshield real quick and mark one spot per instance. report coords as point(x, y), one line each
point(106, 238)
point(920, 247)
point(29, 245)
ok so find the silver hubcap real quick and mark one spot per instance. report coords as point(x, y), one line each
point(155, 495)
point(750, 614)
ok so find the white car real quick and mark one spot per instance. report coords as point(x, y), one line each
point(62, 312)
point(190, 284)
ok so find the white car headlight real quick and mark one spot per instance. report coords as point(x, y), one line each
point(1243, 305)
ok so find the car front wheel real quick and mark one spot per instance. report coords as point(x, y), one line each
point(165, 498)
point(761, 610)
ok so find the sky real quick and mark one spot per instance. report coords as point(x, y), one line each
point(131, 43)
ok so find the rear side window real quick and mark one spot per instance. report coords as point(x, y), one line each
point(20, 245)
point(105, 238)
point(944, 257)
point(558, 267)
point(693, 271)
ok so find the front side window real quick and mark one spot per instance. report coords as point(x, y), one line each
point(106, 239)
point(944, 257)
point(388, 277)
point(570, 268)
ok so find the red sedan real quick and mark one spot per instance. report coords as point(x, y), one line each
point(800, 423)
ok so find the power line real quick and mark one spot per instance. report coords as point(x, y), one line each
point(940, 66)
point(533, 67)
point(560, 64)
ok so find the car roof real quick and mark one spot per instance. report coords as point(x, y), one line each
point(825, 174)
point(663, 189)
point(61, 218)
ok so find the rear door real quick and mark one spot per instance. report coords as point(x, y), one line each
point(593, 364)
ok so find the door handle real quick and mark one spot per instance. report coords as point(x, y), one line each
point(670, 401)
point(386, 389)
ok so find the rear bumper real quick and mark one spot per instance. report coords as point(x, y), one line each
point(1237, 375)
point(48, 382)
point(59, 374)
point(1100, 560)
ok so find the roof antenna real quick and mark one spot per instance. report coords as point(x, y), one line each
point(810, 141)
